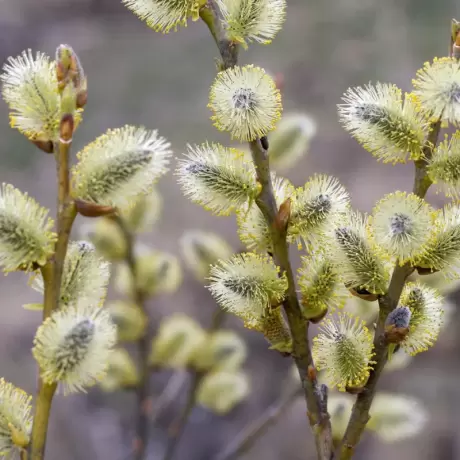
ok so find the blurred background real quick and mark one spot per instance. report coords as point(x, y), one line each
point(137, 76)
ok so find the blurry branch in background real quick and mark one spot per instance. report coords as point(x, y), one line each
point(251, 433)
point(180, 343)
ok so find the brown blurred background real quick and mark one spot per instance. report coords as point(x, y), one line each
point(137, 76)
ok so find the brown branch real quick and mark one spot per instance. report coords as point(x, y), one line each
point(255, 430)
point(360, 413)
point(143, 387)
point(317, 413)
point(179, 425)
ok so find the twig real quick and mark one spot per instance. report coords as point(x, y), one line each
point(360, 413)
point(252, 432)
point(318, 418)
point(179, 425)
point(169, 394)
point(52, 276)
point(143, 388)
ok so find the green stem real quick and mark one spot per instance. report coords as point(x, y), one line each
point(52, 276)
point(360, 413)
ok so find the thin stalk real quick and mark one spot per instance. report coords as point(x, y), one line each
point(180, 424)
point(248, 436)
point(314, 397)
point(169, 394)
point(360, 413)
point(52, 275)
point(143, 388)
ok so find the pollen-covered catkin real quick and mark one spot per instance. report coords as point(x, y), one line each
point(245, 102)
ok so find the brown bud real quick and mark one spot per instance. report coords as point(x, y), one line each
point(264, 142)
point(395, 334)
point(318, 318)
point(311, 373)
point(425, 270)
point(88, 209)
point(283, 216)
point(82, 99)
point(363, 294)
point(46, 146)
point(66, 128)
point(354, 390)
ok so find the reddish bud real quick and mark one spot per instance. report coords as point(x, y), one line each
point(88, 209)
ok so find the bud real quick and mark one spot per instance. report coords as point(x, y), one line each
point(107, 237)
point(26, 232)
point(320, 287)
point(130, 320)
point(73, 346)
point(357, 260)
point(15, 419)
point(69, 72)
point(218, 178)
point(397, 324)
point(45, 146)
point(455, 27)
point(121, 372)
point(85, 276)
point(248, 286)
point(177, 339)
point(202, 249)
point(88, 209)
point(221, 350)
point(344, 349)
point(316, 208)
point(291, 140)
point(156, 272)
point(396, 417)
point(221, 391)
point(120, 165)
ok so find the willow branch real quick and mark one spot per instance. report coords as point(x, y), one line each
point(52, 276)
point(360, 413)
point(248, 436)
point(317, 412)
point(179, 425)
